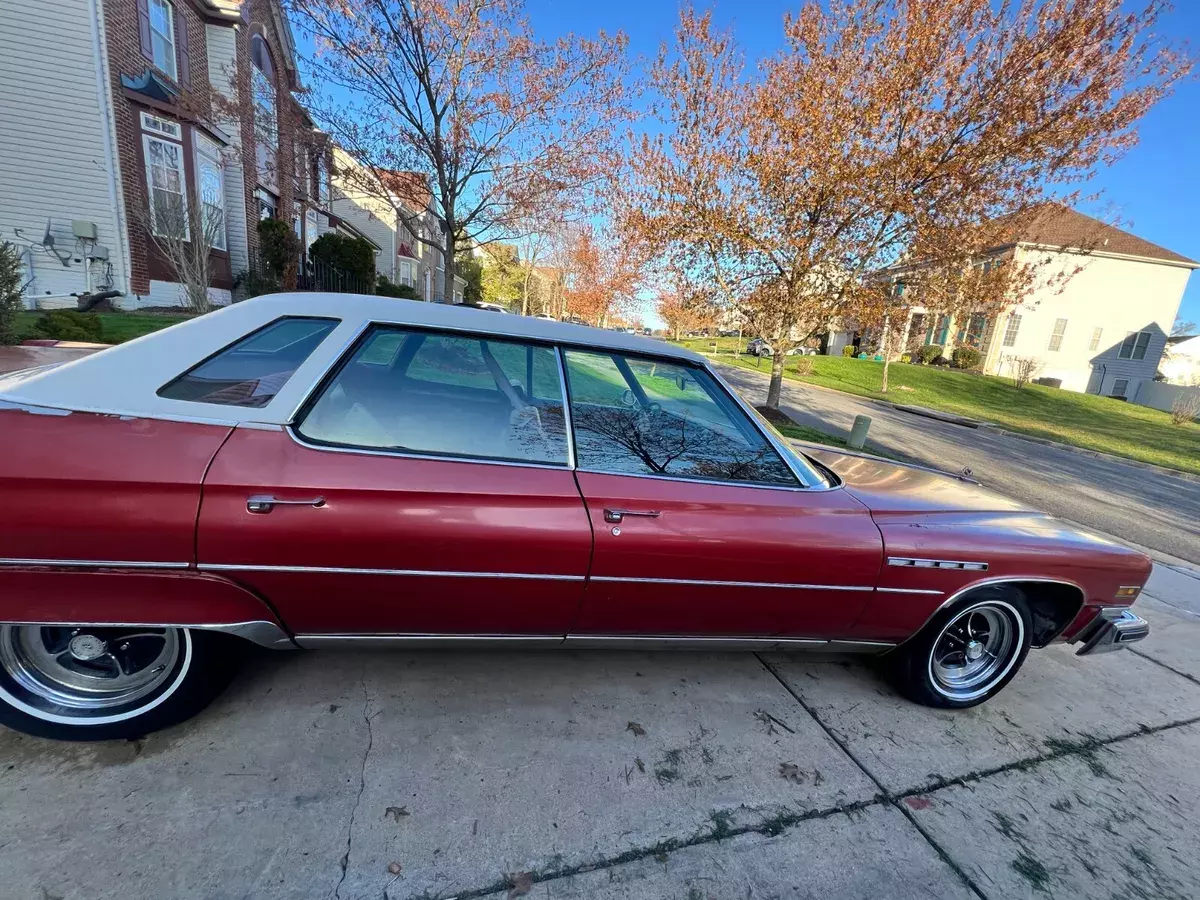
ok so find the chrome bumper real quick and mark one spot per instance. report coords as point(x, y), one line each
point(1112, 629)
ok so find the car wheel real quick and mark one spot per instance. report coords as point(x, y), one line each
point(88, 683)
point(965, 654)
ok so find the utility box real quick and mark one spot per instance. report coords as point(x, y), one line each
point(84, 230)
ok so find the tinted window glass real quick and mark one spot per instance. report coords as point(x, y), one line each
point(451, 395)
point(252, 371)
point(643, 417)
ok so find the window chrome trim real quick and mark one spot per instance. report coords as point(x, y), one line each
point(308, 393)
point(713, 481)
point(761, 584)
point(420, 573)
point(566, 402)
point(782, 449)
point(92, 563)
point(406, 454)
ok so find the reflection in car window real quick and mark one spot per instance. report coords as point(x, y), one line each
point(454, 395)
point(646, 417)
point(252, 371)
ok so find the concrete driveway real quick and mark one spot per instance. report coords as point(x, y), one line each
point(632, 775)
point(1140, 506)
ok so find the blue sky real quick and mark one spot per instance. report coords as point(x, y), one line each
point(1154, 191)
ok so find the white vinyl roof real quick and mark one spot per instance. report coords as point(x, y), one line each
point(124, 379)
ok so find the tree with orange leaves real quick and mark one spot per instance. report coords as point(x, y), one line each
point(464, 92)
point(881, 132)
point(601, 279)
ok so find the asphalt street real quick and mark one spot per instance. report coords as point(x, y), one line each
point(1141, 506)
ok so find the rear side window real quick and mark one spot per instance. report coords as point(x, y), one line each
point(253, 370)
point(445, 395)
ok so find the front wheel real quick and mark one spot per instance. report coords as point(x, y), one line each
point(965, 654)
point(91, 683)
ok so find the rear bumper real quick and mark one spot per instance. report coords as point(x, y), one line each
point(1112, 629)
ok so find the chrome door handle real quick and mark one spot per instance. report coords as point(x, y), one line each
point(264, 503)
point(614, 516)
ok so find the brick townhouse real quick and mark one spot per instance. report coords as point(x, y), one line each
point(106, 104)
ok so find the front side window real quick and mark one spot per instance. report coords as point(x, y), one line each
point(1134, 346)
point(1011, 329)
point(444, 395)
point(162, 37)
point(641, 417)
point(1056, 336)
point(252, 371)
point(210, 177)
point(165, 182)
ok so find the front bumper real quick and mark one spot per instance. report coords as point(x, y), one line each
point(1112, 629)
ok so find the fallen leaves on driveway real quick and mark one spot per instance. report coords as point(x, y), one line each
point(638, 730)
point(521, 883)
point(395, 868)
point(792, 772)
point(396, 812)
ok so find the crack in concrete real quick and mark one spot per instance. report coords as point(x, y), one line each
point(776, 825)
point(362, 787)
point(1159, 662)
point(887, 795)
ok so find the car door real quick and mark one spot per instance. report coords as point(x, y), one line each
point(701, 527)
point(424, 489)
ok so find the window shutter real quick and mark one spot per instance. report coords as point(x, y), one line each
point(143, 10)
point(182, 54)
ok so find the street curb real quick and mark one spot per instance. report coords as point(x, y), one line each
point(987, 426)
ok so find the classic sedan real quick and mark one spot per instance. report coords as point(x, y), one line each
point(308, 470)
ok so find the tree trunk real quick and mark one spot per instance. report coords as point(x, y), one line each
point(449, 263)
point(883, 350)
point(886, 363)
point(777, 364)
point(525, 291)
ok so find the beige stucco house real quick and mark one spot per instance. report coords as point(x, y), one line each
point(1103, 332)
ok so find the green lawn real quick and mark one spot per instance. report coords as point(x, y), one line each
point(1084, 420)
point(117, 327)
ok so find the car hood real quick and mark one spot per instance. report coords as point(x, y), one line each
point(899, 491)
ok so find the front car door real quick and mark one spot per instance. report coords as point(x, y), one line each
point(425, 489)
point(701, 527)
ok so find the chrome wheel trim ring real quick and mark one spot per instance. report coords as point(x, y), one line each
point(19, 692)
point(1004, 636)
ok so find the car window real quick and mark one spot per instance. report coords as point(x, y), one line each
point(251, 371)
point(645, 417)
point(452, 395)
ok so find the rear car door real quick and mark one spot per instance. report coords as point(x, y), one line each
point(702, 528)
point(425, 489)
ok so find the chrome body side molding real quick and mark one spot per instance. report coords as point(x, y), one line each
point(891, 590)
point(265, 634)
point(585, 641)
point(428, 573)
point(760, 584)
point(1007, 579)
point(92, 563)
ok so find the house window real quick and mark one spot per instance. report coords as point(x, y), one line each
point(1134, 346)
point(210, 179)
point(162, 37)
point(1094, 343)
point(268, 206)
point(407, 273)
point(322, 181)
point(310, 228)
point(1011, 329)
point(165, 127)
point(1056, 336)
point(262, 83)
point(1119, 387)
point(899, 289)
point(165, 181)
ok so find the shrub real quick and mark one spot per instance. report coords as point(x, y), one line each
point(10, 292)
point(848, 351)
point(966, 358)
point(1024, 369)
point(70, 325)
point(385, 287)
point(279, 246)
point(929, 353)
point(905, 357)
point(803, 365)
point(1186, 408)
point(943, 361)
point(353, 256)
point(254, 283)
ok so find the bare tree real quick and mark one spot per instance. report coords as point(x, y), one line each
point(1024, 369)
point(184, 230)
point(1185, 408)
point(464, 91)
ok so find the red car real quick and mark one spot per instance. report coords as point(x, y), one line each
point(314, 470)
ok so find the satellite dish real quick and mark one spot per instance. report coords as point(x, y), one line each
point(48, 238)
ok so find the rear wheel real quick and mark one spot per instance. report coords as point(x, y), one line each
point(102, 683)
point(966, 654)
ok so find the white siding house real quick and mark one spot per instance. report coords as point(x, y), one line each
point(58, 160)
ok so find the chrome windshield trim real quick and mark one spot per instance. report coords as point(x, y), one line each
point(757, 584)
point(339, 570)
point(92, 563)
point(891, 590)
point(566, 402)
point(405, 454)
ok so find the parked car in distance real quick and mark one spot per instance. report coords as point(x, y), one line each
point(545, 317)
point(488, 307)
point(311, 470)
point(759, 347)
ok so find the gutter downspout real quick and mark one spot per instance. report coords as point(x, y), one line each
point(111, 157)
